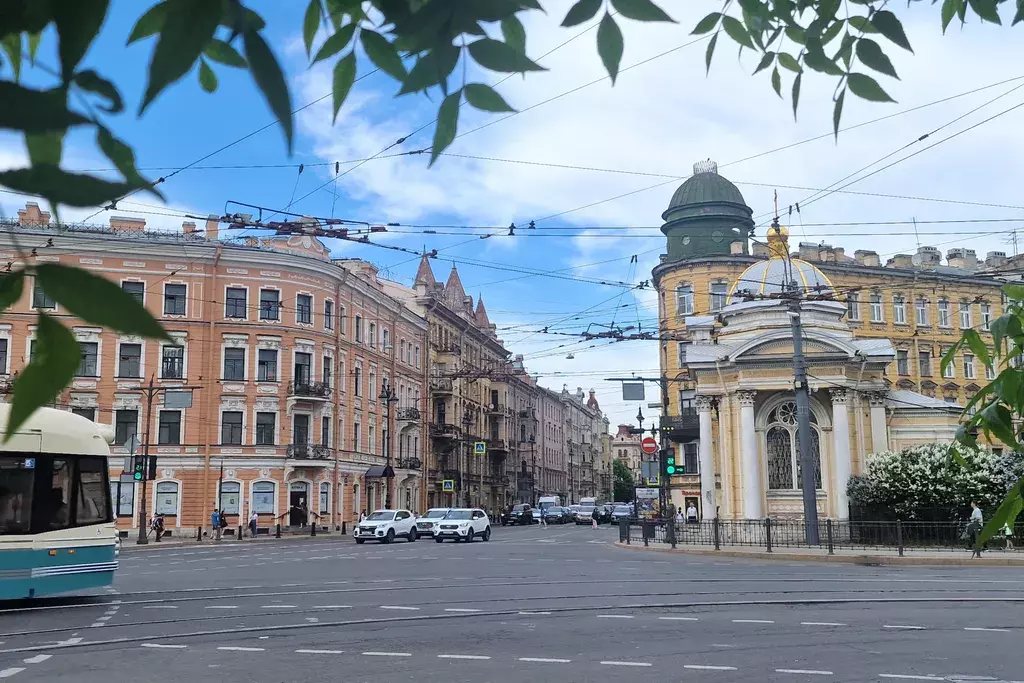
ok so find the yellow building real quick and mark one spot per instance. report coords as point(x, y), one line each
point(874, 336)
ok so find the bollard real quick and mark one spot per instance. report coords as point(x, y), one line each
point(239, 537)
point(312, 529)
point(199, 534)
point(277, 533)
point(899, 536)
point(768, 533)
point(829, 537)
point(718, 540)
point(343, 532)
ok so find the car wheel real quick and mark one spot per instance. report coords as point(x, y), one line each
point(469, 535)
point(359, 541)
point(438, 539)
point(413, 535)
point(389, 537)
point(487, 534)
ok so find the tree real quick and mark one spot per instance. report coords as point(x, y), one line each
point(418, 43)
point(623, 482)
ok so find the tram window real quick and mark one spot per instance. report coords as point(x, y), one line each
point(92, 506)
point(56, 508)
point(16, 481)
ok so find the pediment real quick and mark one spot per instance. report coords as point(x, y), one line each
point(784, 347)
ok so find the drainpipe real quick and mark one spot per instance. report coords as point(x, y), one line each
point(336, 513)
point(210, 406)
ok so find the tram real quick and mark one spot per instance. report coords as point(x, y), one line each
point(56, 529)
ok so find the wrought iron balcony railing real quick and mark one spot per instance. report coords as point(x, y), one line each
point(309, 451)
point(318, 390)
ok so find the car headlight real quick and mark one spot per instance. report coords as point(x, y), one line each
point(463, 524)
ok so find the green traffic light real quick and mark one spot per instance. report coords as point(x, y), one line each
point(138, 476)
point(671, 469)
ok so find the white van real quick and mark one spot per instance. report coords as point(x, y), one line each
point(548, 501)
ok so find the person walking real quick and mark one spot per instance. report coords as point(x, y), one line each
point(974, 529)
point(543, 516)
point(593, 518)
point(254, 523)
point(215, 522)
point(691, 513)
point(1008, 535)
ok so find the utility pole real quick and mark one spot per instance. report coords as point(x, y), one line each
point(388, 396)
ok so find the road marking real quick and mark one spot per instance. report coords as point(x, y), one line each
point(463, 657)
point(159, 607)
point(616, 663)
point(102, 618)
point(978, 628)
point(5, 673)
point(614, 616)
point(460, 609)
point(679, 618)
point(821, 623)
point(387, 654)
point(97, 624)
point(162, 646)
point(277, 606)
point(907, 628)
point(231, 648)
point(912, 677)
point(708, 667)
point(320, 652)
point(399, 607)
point(532, 613)
point(221, 607)
point(331, 607)
point(752, 621)
point(544, 660)
point(38, 659)
point(809, 672)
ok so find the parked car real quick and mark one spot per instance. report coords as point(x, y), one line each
point(463, 524)
point(521, 513)
point(385, 525)
point(425, 523)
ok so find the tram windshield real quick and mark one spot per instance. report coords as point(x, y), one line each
point(41, 492)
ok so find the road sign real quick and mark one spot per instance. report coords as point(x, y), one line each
point(448, 485)
point(648, 494)
point(648, 469)
point(480, 448)
point(654, 481)
point(649, 445)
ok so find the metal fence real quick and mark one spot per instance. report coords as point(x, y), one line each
point(770, 534)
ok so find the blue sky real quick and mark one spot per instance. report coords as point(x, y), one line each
point(658, 119)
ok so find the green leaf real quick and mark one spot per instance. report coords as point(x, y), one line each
point(796, 34)
point(1010, 506)
point(77, 22)
point(310, 23)
point(986, 9)
point(867, 88)
point(1014, 292)
point(996, 418)
point(765, 62)
point(962, 12)
point(207, 79)
point(832, 31)
point(949, 10)
point(11, 287)
point(837, 112)
point(777, 81)
point(583, 10)
point(35, 111)
point(870, 54)
point(150, 23)
point(796, 93)
point(789, 62)
point(120, 154)
point(335, 43)
point(845, 51)
point(862, 24)
point(641, 10)
point(92, 82)
point(819, 62)
point(62, 187)
point(97, 300)
point(709, 53)
point(609, 45)
point(447, 124)
point(45, 148)
point(221, 52)
point(977, 345)
point(737, 31)
point(431, 69)
point(502, 57)
point(188, 27)
point(52, 367)
point(513, 32)
point(383, 54)
point(11, 44)
point(707, 24)
point(270, 80)
point(33, 46)
point(950, 356)
point(1017, 18)
point(890, 27)
point(344, 77)
point(485, 98)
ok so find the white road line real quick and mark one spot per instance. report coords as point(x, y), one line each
point(614, 616)
point(533, 613)
point(460, 609)
point(38, 659)
point(159, 607)
point(994, 630)
point(331, 607)
point(162, 646)
point(399, 607)
point(387, 654)
point(912, 677)
point(708, 667)
point(463, 657)
point(6, 673)
point(102, 618)
point(616, 663)
point(679, 618)
point(904, 627)
point(809, 672)
point(544, 660)
point(231, 648)
point(320, 652)
point(277, 606)
point(220, 607)
point(821, 623)
point(752, 621)
point(97, 624)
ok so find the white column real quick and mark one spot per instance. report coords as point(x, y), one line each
point(841, 467)
point(750, 461)
point(708, 499)
point(879, 428)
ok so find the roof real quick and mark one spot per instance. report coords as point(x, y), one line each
point(706, 188)
point(57, 431)
point(425, 274)
point(481, 313)
point(454, 293)
point(901, 398)
point(769, 277)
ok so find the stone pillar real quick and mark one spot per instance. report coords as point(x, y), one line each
point(750, 461)
point(879, 428)
point(708, 498)
point(841, 437)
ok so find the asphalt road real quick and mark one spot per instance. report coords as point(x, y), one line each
point(531, 605)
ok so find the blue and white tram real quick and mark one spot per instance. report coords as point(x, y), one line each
point(56, 529)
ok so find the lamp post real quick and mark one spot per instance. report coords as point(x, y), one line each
point(387, 396)
point(533, 477)
point(467, 422)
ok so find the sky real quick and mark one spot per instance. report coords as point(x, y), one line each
point(583, 155)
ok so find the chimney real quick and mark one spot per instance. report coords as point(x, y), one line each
point(212, 227)
point(188, 228)
point(955, 258)
point(33, 216)
point(810, 252)
point(866, 257)
point(736, 248)
point(761, 250)
point(125, 224)
point(840, 254)
point(927, 257)
point(993, 259)
point(904, 261)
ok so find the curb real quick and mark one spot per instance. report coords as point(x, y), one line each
point(131, 547)
point(841, 559)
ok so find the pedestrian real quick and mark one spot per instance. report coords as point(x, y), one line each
point(691, 513)
point(679, 516)
point(593, 518)
point(1008, 535)
point(974, 529)
point(543, 516)
point(254, 522)
point(215, 522)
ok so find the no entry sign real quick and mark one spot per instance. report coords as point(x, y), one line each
point(649, 445)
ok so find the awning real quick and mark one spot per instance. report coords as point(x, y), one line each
point(375, 471)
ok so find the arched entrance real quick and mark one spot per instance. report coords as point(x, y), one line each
point(298, 503)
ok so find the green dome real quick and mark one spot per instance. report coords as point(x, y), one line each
point(706, 216)
point(704, 188)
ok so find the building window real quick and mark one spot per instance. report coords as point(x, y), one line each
point(235, 302)
point(416, 356)
point(270, 304)
point(167, 498)
point(87, 366)
point(174, 299)
point(342, 320)
point(3, 356)
point(401, 351)
point(300, 429)
point(684, 300)
point(691, 461)
point(266, 426)
point(899, 310)
point(122, 495)
point(172, 364)
point(902, 362)
point(87, 413)
point(234, 364)
point(949, 372)
point(135, 289)
point(231, 428)
point(302, 375)
point(358, 381)
point(986, 316)
point(965, 315)
point(719, 293)
point(126, 424)
point(371, 387)
point(41, 299)
point(325, 498)
point(266, 365)
point(328, 367)
point(876, 308)
point(924, 362)
point(385, 340)
point(943, 313)
point(990, 372)
point(785, 469)
point(968, 366)
point(130, 361)
point(921, 306)
point(853, 306)
point(359, 328)
point(325, 431)
point(170, 428)
point(264, 494)
point(357, 437)
point(371, 338)
point(328, 315)
point(304, 309)
point(229, 497)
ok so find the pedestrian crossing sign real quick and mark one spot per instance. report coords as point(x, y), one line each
point(448, 485)
point(654, 481)
point(480, 448)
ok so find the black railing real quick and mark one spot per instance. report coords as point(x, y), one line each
point(441, 384)
point(408, 414)
point(410, 463)
point(309, 389)
point(444, 430)
point(686, 420)
point(309, 451)
point(497, 446)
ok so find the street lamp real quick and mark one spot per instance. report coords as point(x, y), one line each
point(533, 478)
point(467, 421)
point(387, 396)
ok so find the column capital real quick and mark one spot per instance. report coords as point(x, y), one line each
point(877, 398)
point(746, 397)
point(839, 396)
point(704, 403)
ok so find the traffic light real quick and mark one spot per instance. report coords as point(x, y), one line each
point(667, 457)
point(152, 468)
point(138, 467)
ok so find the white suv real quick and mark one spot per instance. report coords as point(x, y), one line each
point(384, 525)
point(425, 524)
point(463, 524)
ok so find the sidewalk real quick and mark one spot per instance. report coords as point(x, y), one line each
point(990, 558)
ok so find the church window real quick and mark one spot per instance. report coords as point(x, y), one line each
point(783, 449)
point(684, 300)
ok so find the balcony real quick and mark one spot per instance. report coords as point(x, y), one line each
point(684, 425)
point(408, 415)
point(494, 409)
point(497, 446)
point(316, 391)
point(410, 463)
point(309, 451)
point(444, 431)
point(440, 385)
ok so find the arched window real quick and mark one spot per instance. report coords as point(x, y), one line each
point(263, 495)
point(783, 448)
